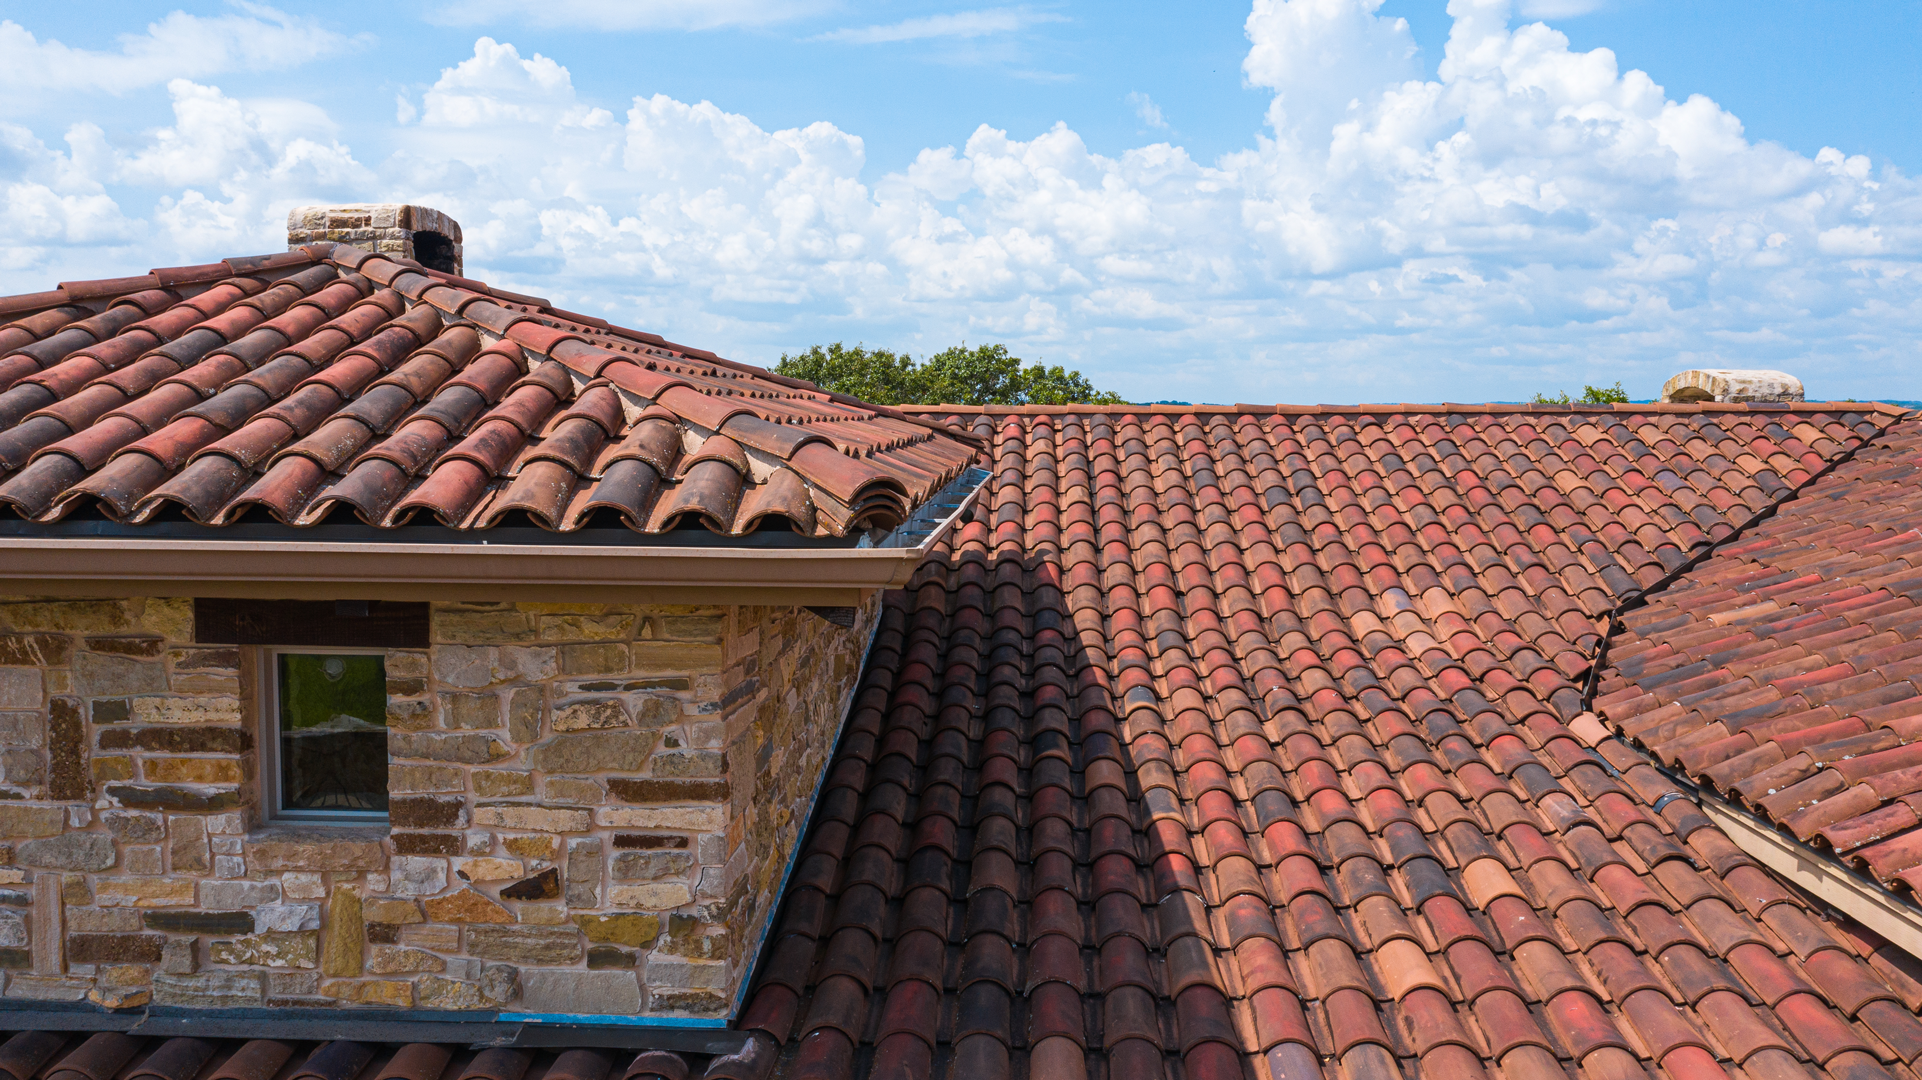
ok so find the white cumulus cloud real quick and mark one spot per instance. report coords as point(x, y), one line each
point(1530, 218)
point(496, 86)
point(1325, 59)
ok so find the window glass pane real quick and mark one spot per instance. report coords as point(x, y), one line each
point(333, 732)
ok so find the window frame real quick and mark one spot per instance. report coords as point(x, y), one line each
point(272, 801)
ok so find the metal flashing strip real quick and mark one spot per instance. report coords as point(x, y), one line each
point(940, 512)
point(1820, 874)
point(614, 1020)
point(24, 1015)
point(302, 567)
point(341, 1024)
point(398, 1025)
point(475, 1029)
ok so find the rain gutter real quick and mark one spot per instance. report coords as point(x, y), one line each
point(290, 564)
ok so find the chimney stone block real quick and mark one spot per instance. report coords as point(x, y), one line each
point(421, 233)
point(1726, 384)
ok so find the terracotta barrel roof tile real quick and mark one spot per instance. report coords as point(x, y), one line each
point(1300, 729)
point(122, 386)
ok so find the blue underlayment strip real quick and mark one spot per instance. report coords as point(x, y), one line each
point(612, 1021)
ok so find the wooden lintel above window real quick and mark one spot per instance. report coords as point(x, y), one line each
point(374, 624)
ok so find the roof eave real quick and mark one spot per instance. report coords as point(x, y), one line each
point(318, 570)
point(295, 569)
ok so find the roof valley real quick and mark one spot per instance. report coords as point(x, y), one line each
point(1786, 675)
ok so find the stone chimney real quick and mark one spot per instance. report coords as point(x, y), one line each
point(420, 233)
point(1722, 384)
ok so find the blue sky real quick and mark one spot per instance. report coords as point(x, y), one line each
point(1273, 200)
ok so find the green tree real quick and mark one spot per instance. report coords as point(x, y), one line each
point(983, 375)
point(877, 375)
point(1591, 395)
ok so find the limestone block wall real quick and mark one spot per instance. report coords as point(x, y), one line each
point(591, 808)
point(786, 691)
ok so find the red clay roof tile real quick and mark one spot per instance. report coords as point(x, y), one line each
point(120, 386)
point(1324, 668)
point(1850, 680)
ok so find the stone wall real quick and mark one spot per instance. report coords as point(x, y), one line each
point(591, 808)
point(786, 691)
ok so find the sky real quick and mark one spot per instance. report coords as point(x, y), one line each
point(1292, 201)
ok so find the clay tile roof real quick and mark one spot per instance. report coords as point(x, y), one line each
point(1785, 672)
point(331, 384)
point(1235, 742)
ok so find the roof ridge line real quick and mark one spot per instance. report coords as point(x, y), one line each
point(1443, 408)
point(703, 355)
point(22, 305)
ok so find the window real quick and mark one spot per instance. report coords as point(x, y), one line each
point(326, 754)
point(321, 688)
